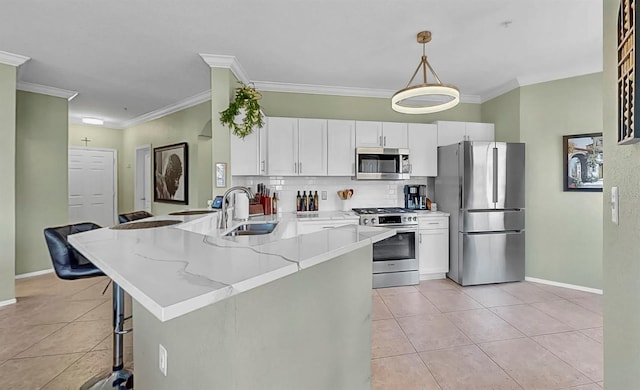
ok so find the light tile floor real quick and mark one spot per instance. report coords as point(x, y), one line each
point(442, 336)
point(58, 335)
point(437, 336)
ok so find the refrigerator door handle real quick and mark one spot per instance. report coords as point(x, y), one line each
point(495, 176)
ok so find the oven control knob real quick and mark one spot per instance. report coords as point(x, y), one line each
point(373, 221)
point(414, 218)
point(365, 221)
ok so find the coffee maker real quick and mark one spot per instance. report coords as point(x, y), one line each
point(415, 197)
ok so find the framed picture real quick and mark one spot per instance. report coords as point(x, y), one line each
point(582, 162)
point(221, 175)
point(171, 168)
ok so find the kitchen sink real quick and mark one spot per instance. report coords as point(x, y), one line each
point(252, 229)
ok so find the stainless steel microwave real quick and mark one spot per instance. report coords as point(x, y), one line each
point(382, 164)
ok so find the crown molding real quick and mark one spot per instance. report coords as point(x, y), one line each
point(580, 70)
point(46, 90)
point(344, 91)
point(170, 109)
point(500, 90)
point(229, 62)
point(12, 59)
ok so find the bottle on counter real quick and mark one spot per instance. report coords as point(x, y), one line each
point(298, 202)
point(315, 201)
point(311, 202)
point(305, 201)
point(274, 204)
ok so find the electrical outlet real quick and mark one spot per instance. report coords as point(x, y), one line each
point(162, 359)
point(324, 195)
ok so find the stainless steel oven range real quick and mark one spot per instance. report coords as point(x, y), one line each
point(395, 259)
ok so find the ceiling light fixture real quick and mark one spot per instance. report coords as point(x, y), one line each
point(438, 90)
point(93, 121)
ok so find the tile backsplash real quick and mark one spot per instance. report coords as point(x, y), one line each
point(366, 193)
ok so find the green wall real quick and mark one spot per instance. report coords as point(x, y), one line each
point(8, 190)
point(182, 126)
point(223, 85)
point(41, 175)
point(107, 138)
point(564, 229)
point(358, 108)
point(504, 112)
point(621, 245)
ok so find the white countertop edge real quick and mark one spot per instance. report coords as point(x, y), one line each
point(265, 278)
point(181, 308)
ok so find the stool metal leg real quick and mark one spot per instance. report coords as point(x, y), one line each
point(118, 378)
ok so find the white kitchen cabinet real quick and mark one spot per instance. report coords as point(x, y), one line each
point(282, 146)
point(433, 246)
point(297, 147)
point(341, 148)
point(312, 147)
point(248, 154)
point(368, 134)
point(394, 135)
point(454, 132)
point(306, 227)
point(480, 131)
point(423, 149)
point(381, 134)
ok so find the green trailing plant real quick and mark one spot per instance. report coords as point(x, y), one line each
point(246, 101)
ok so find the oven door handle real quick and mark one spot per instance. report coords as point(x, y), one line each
point(406, 230)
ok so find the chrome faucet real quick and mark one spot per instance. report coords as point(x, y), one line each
point(223, 217)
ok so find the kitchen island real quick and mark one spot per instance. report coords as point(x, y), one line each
point(245, 312)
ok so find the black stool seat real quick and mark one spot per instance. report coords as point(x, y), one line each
point(70, 264)
point(67, 262)
point(133, 216)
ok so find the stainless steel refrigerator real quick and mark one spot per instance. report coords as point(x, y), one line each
point(481, 184)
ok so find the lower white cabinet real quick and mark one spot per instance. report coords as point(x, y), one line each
point(433, 245)
point(306, 227)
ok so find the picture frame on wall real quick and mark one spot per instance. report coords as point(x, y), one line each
point(171, 169)
point(583, 161)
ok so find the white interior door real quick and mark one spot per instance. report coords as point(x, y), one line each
point(142, 192)
point(92, 186)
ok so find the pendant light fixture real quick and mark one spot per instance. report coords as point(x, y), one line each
point(425, 89)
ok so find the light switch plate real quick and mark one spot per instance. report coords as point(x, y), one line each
point(162, 359)
point(614, 205)
point(324, 195)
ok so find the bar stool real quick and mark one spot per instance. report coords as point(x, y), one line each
point(132, 216)
point(69, 264)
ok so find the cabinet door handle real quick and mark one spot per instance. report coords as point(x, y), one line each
point(262, 165)
point(380, 141)
point(385, 141)
point(420, 238)
point(295, 167)
point(300, 169)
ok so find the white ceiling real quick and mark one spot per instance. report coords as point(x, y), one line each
point(129, 58)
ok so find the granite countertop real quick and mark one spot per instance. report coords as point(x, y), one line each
point(177, 269)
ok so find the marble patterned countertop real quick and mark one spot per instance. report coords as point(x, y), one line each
point(177, 269)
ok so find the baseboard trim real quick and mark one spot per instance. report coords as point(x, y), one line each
point(8, 302)
point(565, 285)
point(36, 273)
point(432, 276)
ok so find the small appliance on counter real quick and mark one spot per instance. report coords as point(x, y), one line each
point(415, 197)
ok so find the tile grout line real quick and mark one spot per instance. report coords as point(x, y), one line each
point(65, 369)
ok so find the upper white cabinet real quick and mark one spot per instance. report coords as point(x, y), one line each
point(381, 134)
point(312, 147)
point(368, 134)
point(248, 154)
point(423, 150)
point(341, 148)
point(282, 146)
point(297, 147)
point(394, 135)
point(454, 132)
